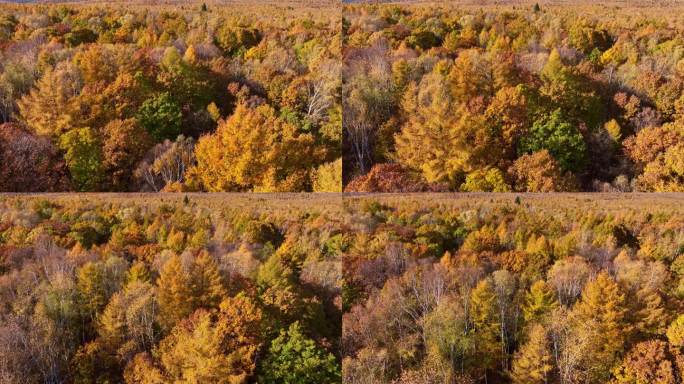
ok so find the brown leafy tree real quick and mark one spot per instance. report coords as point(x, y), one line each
point(30, 163)
point(539, 172)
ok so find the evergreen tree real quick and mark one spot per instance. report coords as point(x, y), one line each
point(295, 359)
point(161, 116)
point(83, 155)
point(563, 141)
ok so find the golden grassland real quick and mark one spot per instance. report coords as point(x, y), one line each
point(606, 201)
point(666, 12)
point(215, 201)
point(335, 202)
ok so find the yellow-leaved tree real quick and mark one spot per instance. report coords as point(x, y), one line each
point(254, 150)
point(46, 109)
point(328, 177)
point(533, 364)
point(206, 348)
point(440, 137)
point(183, 289)
point(601, 316)
point(486, 325)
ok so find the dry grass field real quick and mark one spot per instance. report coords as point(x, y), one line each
point(250, 201)
point(642, 202)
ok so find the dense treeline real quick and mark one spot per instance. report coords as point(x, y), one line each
point(523, 290)
point(180, 98)
point(513, 98)
point(147, 291)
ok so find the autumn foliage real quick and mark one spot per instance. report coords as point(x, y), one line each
point(30, 163)
point(168, 291)
point(509, 96)
point(529, 290)
point(105, 91)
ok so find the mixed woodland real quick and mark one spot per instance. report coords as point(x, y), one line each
point(316, 96)
point(187, 97)
point(179, 291)
point(375, 97)
point(526, 290)
point(513, 97)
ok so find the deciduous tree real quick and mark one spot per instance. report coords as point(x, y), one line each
point(46, 109)
point(486, 326)
point(30, 163)
point(83, 155)
point(125, 142)
point(254, 150)
point(539, 172)
point(533, 363)
point(601, 312)
point(650, 361)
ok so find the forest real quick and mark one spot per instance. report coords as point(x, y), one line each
point(341, 191)
point(523, 289)
point(180, 289)
point(320, 97)
point(309, 289)
point(515, 96)
point(190, 97)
